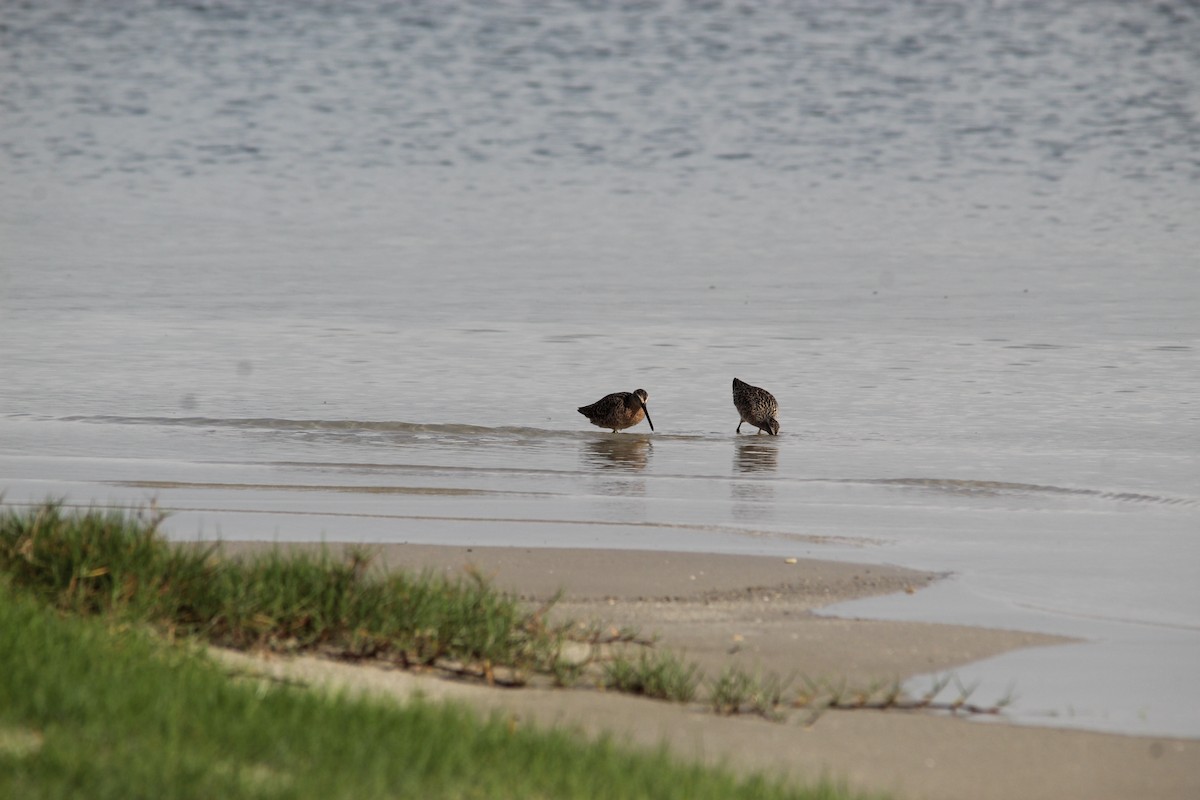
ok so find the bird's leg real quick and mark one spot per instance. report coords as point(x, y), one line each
point(739, 427)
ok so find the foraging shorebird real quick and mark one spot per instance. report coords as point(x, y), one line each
point(618, 410)
point(756, 406)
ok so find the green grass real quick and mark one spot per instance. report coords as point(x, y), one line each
point(119, 565)
point(98, 709)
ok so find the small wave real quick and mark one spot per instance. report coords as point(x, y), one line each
point(1107, 617)
point(332, 425)
point(974, 487)
point(353, 426)
point(431, 491)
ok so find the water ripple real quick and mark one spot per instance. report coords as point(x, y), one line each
point(990, 488)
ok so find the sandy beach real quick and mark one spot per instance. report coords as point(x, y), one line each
point(757, 612)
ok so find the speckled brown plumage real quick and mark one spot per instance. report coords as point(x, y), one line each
point(756, 406)
point(618, 410)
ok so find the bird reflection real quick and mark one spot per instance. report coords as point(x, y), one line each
point(623, 453)
point(753, 499)
point(755, 455)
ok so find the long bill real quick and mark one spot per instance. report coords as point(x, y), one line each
point(646, 411)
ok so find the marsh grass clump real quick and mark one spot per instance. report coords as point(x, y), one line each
point(658, 674)
point(729, 691)
point(736, 691)
point(119, 564)
point(305, 602)
point(96, 562)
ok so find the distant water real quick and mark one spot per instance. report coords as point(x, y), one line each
point(345, 271)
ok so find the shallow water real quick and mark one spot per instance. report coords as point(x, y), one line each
point(346, 272)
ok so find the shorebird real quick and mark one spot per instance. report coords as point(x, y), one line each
point(756, 406)
point(618, 410)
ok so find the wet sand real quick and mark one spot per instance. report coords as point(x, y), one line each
point(757, 612)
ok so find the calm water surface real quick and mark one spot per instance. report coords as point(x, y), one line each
point(345, 271)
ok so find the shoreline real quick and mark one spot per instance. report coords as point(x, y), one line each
point(755, 612)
